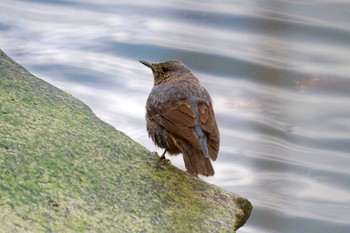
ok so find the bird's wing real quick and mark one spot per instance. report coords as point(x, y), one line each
point(208, 124)
point(178, 118)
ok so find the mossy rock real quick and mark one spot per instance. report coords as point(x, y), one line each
point(62, 169)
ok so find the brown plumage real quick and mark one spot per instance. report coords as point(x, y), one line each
point(180, 116)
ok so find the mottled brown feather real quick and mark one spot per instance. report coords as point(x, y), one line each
point(195, 161)
point(179, 120)
point(208, 124)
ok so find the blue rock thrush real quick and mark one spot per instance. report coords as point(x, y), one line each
point(180, 117)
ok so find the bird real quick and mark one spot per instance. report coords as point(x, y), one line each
point(180, 116)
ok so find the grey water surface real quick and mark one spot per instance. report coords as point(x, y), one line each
point(278, 72)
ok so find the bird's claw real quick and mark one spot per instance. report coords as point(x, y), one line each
point(162, 158)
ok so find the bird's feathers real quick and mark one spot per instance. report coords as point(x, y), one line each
point(208, 124)
point(180, 119)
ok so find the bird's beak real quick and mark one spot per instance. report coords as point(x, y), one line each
point(146, 63)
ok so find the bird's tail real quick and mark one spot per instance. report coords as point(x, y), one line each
point(196, 162)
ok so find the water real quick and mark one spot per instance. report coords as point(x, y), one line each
point(278, 72)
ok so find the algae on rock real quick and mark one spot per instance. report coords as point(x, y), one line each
point(62, 169)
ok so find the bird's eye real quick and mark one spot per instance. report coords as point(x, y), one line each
point(165, 69)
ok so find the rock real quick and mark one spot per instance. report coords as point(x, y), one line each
point(62, 169)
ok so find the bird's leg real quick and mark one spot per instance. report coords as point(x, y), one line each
point(163, 157)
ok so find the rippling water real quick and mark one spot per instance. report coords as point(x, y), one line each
point(278, 72)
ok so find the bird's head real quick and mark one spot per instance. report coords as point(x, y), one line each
point(164, 71)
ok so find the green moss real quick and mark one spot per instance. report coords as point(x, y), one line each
point(64, 170)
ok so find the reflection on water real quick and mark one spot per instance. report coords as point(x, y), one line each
point(278, 72)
